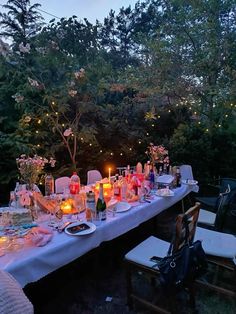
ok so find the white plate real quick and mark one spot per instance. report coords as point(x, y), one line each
point(190, 182)
point(165, 193)
point(91, 228)
point(122, 207)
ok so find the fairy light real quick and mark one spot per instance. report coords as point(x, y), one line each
point(53, 103)
point(121, 154)
point(177, 105)
point(56, 113)
point(130, 148)
point(82, 138)
point(199, 122)
point(147, 133)
point(169, 110)
point(63, 124)
point(231, 105)
point(90, 144)
point(36, 131)
point(47, 114)
point(195, 112)
point(100, 150)
point(214, 106)
point(207, 130)
point(111, 154)
point(190, 108)
point(139, 142)
point(72, 135)
point(158, 117)
point(39, 121)
point(226, 116)
point(219, 125)
point(38, 145)
point(153, 125)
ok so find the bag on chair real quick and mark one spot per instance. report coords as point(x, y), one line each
point(181, 268)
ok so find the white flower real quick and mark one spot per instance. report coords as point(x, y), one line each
point(33, 83)
point(24, 48)
point(72, 92)
point(79, 74)
point(67, 132)
point(18, 98)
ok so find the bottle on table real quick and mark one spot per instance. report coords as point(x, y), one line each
point(101, 204)
point(49, 184)
point(74, 184)
point(124, 187)
point(152, 178)
point(91, 203)
point(117, 187)
point(178, 177)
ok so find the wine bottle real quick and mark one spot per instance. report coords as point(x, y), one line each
point(101, 204)
point(178, 177)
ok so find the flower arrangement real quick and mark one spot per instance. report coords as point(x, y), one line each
point(31, 167)
point(157, 154)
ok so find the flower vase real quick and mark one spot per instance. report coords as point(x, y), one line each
point(32, 206)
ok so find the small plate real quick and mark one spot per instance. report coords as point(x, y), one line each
point(83, 228)
point(190, 182)
point(165, 193)
point(122, 207)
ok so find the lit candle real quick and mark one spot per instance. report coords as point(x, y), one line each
point(109, 174)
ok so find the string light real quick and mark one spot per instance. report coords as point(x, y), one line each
point(158, 117)
point(63, 124)
point(147, 133)
point(226, 116)
point(82, 138)
point(56, 113)
point(38, 145)
point(199, 122)
point(207, 130)
point(90, 144)
point(36, 131)
point(169, 110)
point(153, 125)
point(219, 125)
point(100, 150)
point(139, 142)
point(39, 121)
point(130, 148)
point(47, 114)
point(111, 154)
point(53, 103)
point(121, 154)
point(177, 105)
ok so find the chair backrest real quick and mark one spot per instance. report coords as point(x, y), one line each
point(185, 235)
point(93, 176)
point(186, 172)
point(61, 184)
point(222, 204)
point(224, 182)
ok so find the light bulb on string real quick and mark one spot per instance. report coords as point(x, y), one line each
point(39, 121)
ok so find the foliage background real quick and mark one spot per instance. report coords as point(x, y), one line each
point(164, 72)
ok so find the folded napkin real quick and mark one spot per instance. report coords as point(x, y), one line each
point(39, 236)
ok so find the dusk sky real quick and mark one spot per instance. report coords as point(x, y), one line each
point(91, 9)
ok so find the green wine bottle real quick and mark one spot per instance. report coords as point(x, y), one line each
point(101, 204)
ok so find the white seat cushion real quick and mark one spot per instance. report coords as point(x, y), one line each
point(12, 297)
point(150, 247)
point(206, 217)
point(217, 243)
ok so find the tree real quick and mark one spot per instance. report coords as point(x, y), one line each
point(21, 22)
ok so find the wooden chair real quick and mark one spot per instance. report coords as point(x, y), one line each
point(221, 254)
point(61, 184)
point(93, 176)
point(215, 220)
point(138, 260)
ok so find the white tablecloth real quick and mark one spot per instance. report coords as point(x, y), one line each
point(32, 263)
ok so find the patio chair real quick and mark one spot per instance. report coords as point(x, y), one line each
point(61, 184)
point(93, 176)
point(221, 254)
point(138, 261)
point(12, 297)
point(215, 220)
point(211, 192)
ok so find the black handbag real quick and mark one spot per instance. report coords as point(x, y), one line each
point(180, 269)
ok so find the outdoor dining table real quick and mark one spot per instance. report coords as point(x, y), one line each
point(31, 263)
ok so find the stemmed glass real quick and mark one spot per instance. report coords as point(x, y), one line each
point(56, 215)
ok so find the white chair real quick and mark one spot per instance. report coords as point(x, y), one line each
point(93, 176)
point(12, 297)
point(61, 184)
point(221, 251)
point(215, 220)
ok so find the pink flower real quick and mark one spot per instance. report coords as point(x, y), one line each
point(67, 132)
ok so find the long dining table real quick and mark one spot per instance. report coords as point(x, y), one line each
point(31, 263)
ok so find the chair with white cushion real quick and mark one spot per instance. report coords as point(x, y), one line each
point(12, 297)
point(61, 184)
point(215, 220)
point(138, 261)
point(93, 176)
point(221, 253)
